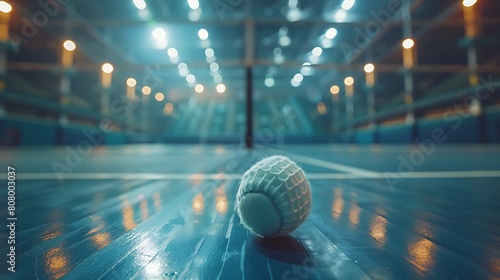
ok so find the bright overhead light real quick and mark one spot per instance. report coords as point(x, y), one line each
point(144, 13)
point(190, 78)
point(293, 3)
point(131, 82)
point(107, 68)
point(295, 83)
point(194, 15)
point(317, 51)
point(203, 34)
point(162, 44)
point(214, 67)
point(285, 41)
point(279, 59)
point(340, 15)
point(314, 59)
point(159, 96)
point(193, 4)
point(369, 68)
point(146, 90)
point(209, 52)
point(5, 7)
point(347, 4)
point(182, 65)
point(283, 31)
point(269, 82)
point(172, 52)
point(218, 78)
point(140, 4)
point(466, 3)
point(169, 109)
point(199, 88)
point(159, 33)
point(306, 69)
point(183, 72)
point(335, 89)
point(408, 43)
point(294, 15)
point(326, 43)
point(69, 45)
point(331, 33)
point(349, 81)
point(221, 88)
point(211, 59)
point(298, 77)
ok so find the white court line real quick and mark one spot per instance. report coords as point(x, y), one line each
point(337, 166)
point(311, 176)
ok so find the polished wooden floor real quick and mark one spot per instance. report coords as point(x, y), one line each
point(167, 212)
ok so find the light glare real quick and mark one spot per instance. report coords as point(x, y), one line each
point(159, 33)
point(69, 45)
point(317, 51)
point(107, 68)
point(159, 96)
point(369, 68)
point(349, 81)
point(469, 3)
point(221, 88)
point(190, 78)
point(408, 43)
point(172, 52)
point(5, 7)
point(298, 77)
point(348, 4)
point(335, 89)
point(146, 90)
point(269, 82)
point(203, 34)
point(331, 33)
point(139, 4)
point(193, 4)
point(209, 52)
point(199, 88)
point(131, 82)
point(340, 15)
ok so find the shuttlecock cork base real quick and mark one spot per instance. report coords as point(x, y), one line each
point(274, 197)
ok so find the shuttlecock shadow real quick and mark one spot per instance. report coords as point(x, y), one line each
point(284, 249)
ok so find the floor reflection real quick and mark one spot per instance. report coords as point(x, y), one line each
point(378, 229)
point(144, 208)
point(157, 201)
point(100, 239)
point(198, 203)
point(128, 215)
point(56, 262)
point(422, 254)
point(221, 200)
point(338, 204)
point(354, 212)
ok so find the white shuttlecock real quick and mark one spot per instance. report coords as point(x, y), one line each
point(274, 197)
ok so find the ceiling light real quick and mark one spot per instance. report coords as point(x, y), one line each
point(131, 82)
point(172, 52)
point(139, 4)
point(317, 51)
point(347, 4)
point(221, 88)
point(203, 34)
point(331, 33)
point(193, 4)
point(69, 45)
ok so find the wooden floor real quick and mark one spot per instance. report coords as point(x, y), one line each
point(167, 212)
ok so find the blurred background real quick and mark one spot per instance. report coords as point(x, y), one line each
point(256, 71)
